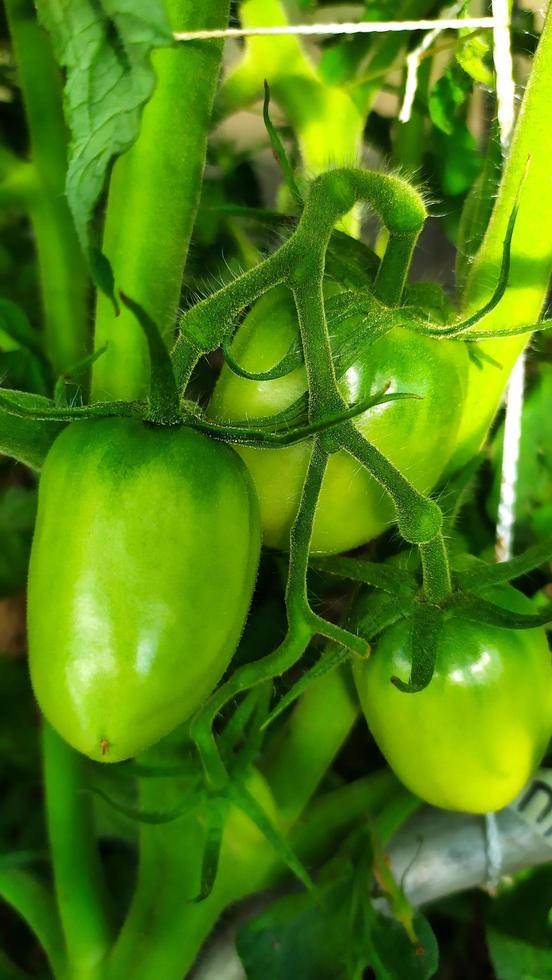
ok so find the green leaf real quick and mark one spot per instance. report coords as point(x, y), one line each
point(478, 610)
point(105, 49)
point(163, 394)
point(447, 98)
point(474, 54)
point(246, 802)
point(519, 929)
point(279, 150)
point(398, 957)
point(485, 576)
point(427, 621)
point(26, 440)
point(299, 936)
point(35, 904)
point(15, 325)
point(456, 158)
point(388, 578)
point(187, 805)
point(216, 818)
point(17, 516)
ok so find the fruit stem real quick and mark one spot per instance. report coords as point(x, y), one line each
point(436, 570)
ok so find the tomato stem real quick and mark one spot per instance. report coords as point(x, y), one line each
point(63, 275)
point(79, 884)
point(153, 198)
point(436, 570)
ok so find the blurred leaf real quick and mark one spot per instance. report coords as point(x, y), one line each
point(519, 929)
point(447, 98)
point(105, 49)
point(398, 957)
point(474, 57)
point(456, 158)
point(17, 516)
point(15, 326)
point(299, 936)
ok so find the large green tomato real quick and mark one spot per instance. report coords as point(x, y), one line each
point(142, 568)
point(417, 436)
point(474, 736)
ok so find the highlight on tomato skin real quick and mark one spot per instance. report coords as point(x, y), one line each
point(142, 533)
point(472, 739)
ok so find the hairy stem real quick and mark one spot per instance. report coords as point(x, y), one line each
point(531, 251)
point(153, 199)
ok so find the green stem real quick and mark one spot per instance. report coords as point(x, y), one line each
point(79, 884)
point(62, 271)
point(153, 199)
point(531, 251)
point(419, 518)
point(436, 570)
point(393, 270)
point(306, 745)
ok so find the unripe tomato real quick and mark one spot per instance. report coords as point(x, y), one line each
point(474, 736)
point(142, 568)
point(418, 436)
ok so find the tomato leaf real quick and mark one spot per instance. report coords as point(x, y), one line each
point(447, 98)
point(398, 957)
point(153, 817)
point(485, 576)
point(375, 611)
point(105, 49)
point(163, 394)
point(26, 440)
point(279, 149)
point(331, 660)
point(478, 610)
point(35, 904)
point(216, 817)
point(427, 621)
point(473, 55)
point(17, 517)
point(397, 581)
point(15, 324)
point(299, 936)
point(246, 802)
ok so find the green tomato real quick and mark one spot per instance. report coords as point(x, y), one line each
point(142, 568)
point(474, 736)
point(418, 436)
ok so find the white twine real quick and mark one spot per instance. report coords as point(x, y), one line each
point(514, 394)
point(365, 27)
point(505, 90)
point(413, 63)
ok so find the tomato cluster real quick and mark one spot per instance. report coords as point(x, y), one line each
point(418, 436)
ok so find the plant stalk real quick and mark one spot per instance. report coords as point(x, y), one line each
point(79, 884)
point(63, 275)
point(527, 175)
point(153, 200)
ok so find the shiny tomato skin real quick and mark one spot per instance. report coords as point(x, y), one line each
point(142, 569)
point(475, 735)
point(418, 436)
